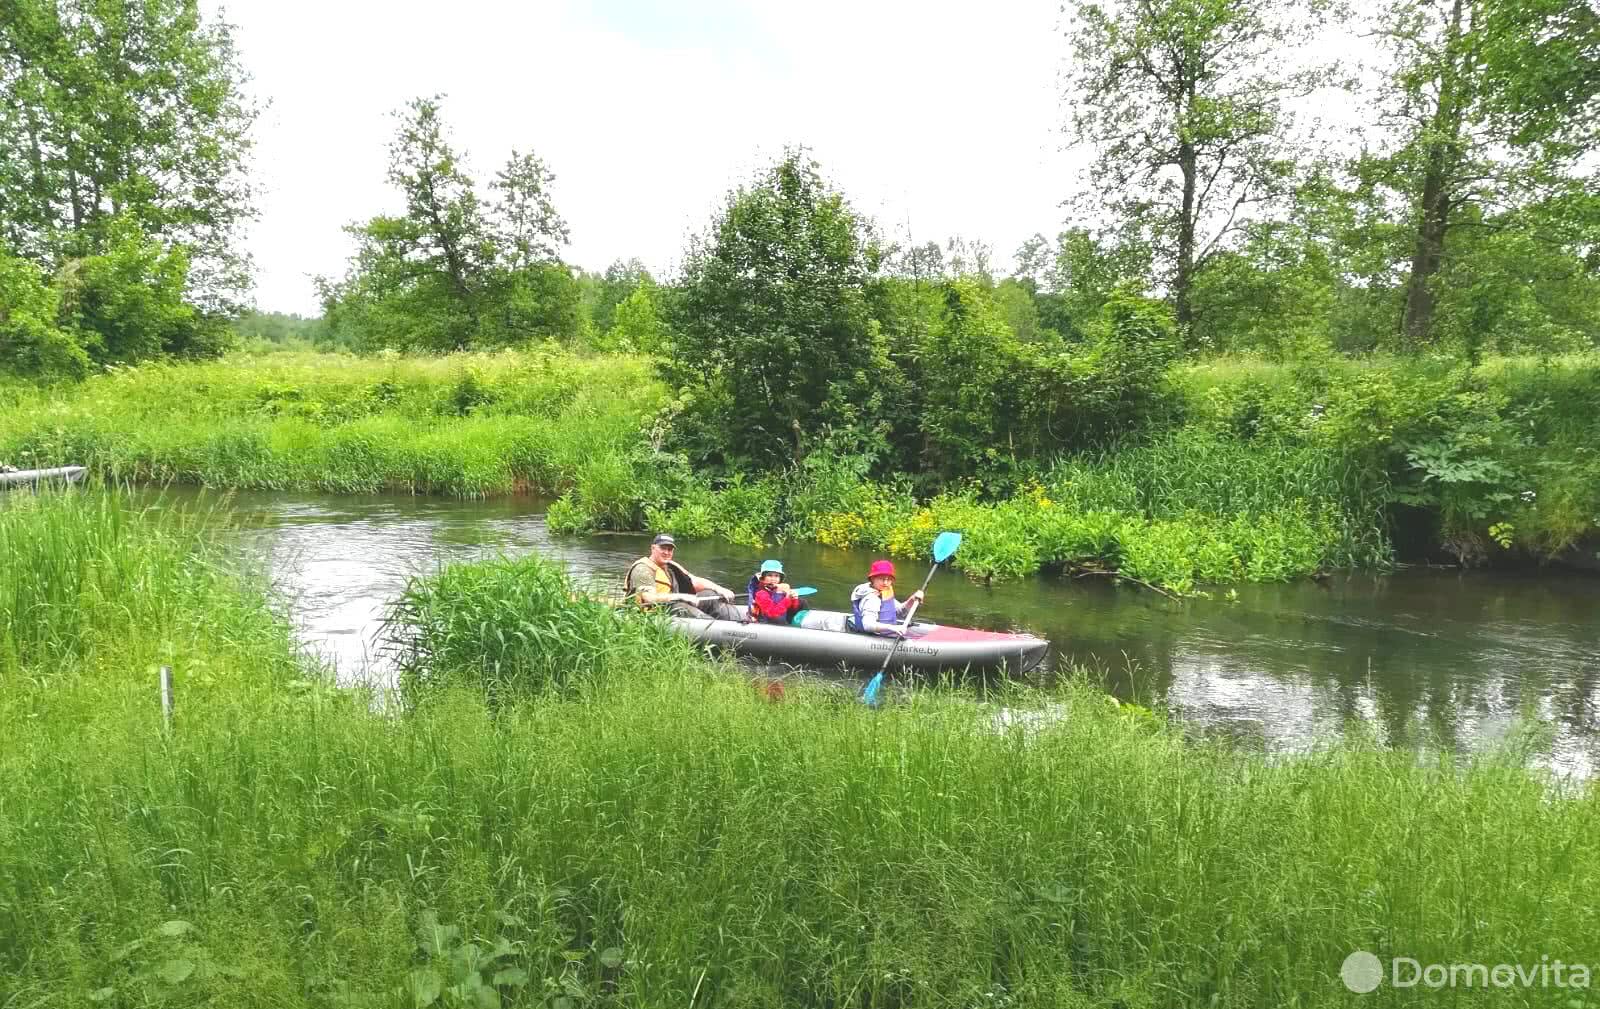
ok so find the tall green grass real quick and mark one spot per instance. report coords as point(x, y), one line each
point(514, 628)
point(84, 573)
point(467, 425)
point(664, 835)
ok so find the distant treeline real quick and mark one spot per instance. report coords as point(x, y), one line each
point(1462, 215)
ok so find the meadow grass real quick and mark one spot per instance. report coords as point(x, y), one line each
point(468, 425)
point(653, 832)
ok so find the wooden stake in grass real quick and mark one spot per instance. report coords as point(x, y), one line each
point(166, 698)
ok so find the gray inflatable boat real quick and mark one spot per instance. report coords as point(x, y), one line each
point(35, 477)
point(820, 639)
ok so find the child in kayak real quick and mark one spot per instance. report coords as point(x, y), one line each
point(772, 601)
point(873, 608)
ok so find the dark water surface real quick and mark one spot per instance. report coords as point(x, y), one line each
point(1425, 657)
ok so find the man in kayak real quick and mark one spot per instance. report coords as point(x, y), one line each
point(772, 601)
point(873, 608)
point(658, 580)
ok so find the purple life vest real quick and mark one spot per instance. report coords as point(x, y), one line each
point(888, 609)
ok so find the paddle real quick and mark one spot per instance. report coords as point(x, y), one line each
point(804, 590)
point(944, 546)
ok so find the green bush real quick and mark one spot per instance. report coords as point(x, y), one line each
point(772, 318)
point(126, 303)
point(32, 343)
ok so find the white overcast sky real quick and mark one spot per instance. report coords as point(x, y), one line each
point(947, 114)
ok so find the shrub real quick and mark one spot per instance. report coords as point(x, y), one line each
point(507, 627)
point(32, 345)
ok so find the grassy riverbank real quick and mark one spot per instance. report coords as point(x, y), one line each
point(1248, 471)
point(469, 425)
point(650, 831)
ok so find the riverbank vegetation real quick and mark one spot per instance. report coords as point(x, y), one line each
point(470, 425)
point(655, 832)
point(1245, 469)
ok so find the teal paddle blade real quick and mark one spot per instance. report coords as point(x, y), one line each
point(944, 546)
point(869, 695)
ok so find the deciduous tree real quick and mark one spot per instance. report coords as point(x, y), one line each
point(1488, 110)
point(772, 314)
point(1184, 105)
point(128, 111)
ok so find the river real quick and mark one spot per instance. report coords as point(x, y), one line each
point(1426, 657)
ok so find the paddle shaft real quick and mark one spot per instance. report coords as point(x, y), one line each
point(710, 597)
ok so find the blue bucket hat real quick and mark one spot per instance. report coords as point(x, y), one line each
point(770, 566)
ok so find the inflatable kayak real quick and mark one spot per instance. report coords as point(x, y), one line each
point(820, 639)
point(34, 477)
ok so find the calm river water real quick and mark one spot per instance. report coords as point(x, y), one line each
point(1427, 657)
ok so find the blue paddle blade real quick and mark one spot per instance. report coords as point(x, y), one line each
point(944, 546)
point(806, 590)
point(870, 694)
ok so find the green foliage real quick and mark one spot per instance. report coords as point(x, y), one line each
point(71, 560)
point(126, 304)
point(1090, 394)
point(969, 405)
point(537, 302)
point(1019, 307)
point(168, 963)
point(1274, 296)
point(1542, 64)
point(1481, 142)
point(1506, 288)
point(608, 492)
point(636, 324)
point(455, 272)
point(274, 332)
point(454, 972)
point(603, 293)
point(742, 511)
point(125, 115)
point(510, 628)
point(1508, 442)
point(1085, 273)
point(1185, 108)
point(122, 305)
point(772, 315)
point(470, 424)
point(32, 343)
point(87, 570)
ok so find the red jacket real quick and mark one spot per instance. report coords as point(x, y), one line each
point(774, 608)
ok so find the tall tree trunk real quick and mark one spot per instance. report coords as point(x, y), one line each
point(77, 198)
point(455, 262)
point(1443, 158)
point(1186, 228)
point(1417, 324)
